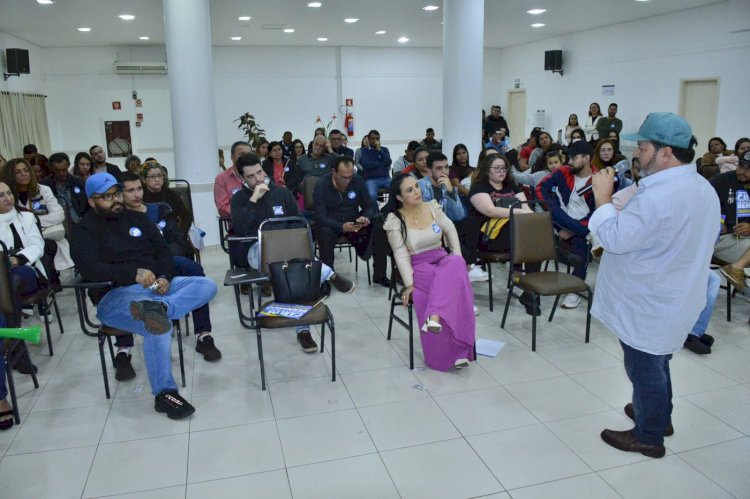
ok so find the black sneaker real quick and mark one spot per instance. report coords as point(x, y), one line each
point(307, 342)
point(173, 404)
point(325, 289)
point(266, 289)
point(342, 283)
point(695, 345)
point(707, 339)
point(206, 346)
point(24, 365)
point(123, 368)
point(153, 314)
point(383, 281)
point(527, 300)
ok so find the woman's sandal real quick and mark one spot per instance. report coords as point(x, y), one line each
point(8, 423)
point(432, 326)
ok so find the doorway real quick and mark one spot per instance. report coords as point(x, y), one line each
point(699, 104)
point(516, 117)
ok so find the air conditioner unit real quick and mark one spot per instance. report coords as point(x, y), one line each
point(140, 68)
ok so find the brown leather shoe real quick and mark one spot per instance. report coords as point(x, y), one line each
point(625, 440)
point(629, 412)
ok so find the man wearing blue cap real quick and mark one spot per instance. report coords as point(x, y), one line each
point(111, 243)
point(658, 248)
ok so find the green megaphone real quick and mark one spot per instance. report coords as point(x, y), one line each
point(31, 334)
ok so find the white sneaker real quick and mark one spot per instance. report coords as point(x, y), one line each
point(476, 274)
point(571, 300)
point(461, 363)
point(476, 310)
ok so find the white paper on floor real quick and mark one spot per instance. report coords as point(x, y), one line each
point(489, 348)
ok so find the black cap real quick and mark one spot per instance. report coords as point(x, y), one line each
point(580, 147)
point(744, 160)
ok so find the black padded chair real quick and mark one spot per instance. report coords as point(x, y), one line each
point(182, 187)
point(395, 297)
point(13, 350)
point(105, 333)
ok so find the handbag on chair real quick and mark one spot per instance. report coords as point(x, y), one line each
point(296, 280)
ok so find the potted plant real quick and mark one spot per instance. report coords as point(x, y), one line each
point(250, 128)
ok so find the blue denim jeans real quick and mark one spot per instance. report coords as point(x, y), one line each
point(374, 184)
point(253, 259)
point(185, 267)
point(185, 295)
point(714, 282)
point(652, 393)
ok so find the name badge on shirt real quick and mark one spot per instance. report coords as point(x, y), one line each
point(162, 224)
point(286, 169)
point(77, 190)
point(352, 195)
point(36, 205)
point(236, 190)
point(435, 228)
point(743, 203)
point(322, 165)
point(278, 210)
point(135, 232)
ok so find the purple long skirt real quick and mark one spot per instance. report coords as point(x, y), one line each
point(442, 287)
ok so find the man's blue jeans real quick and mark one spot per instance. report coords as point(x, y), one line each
point(652, 393)
point(373, 185)
point(714, 283)
point(185, 294)
point(186, 267)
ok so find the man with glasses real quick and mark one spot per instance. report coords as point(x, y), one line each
point(344, 208)
point(336, 139)
point(125, 247)
point(261, 199)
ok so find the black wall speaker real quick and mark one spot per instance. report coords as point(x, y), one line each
point(17, 61)
point(553, 60)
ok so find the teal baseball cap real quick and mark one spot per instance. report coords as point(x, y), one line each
point(664, 128)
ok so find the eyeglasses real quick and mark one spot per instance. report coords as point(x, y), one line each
point(109, 196)
point(499, 169)
point(156, 175)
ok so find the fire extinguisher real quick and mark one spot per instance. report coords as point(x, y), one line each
point(349, 123)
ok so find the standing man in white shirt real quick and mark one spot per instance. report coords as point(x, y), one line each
point(651, 284)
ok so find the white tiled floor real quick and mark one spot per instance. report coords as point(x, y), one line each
point(522, 425)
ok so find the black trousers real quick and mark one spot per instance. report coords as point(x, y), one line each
point(369, 241)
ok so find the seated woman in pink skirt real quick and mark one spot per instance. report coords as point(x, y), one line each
point(434, 279)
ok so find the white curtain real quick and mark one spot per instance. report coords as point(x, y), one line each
point(23, 120)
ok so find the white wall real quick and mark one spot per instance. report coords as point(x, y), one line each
point(32, 83)
point(645, 60)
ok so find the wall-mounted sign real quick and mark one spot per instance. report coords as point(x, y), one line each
point(116, 105)
point(117, 134)
point(139, 116)
point(139, 103)
point(349, 102)
point(608, 90)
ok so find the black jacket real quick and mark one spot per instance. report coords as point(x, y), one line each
point(334, 208)
point(727, 185)
point(291, 174)
point(114, 249)
point(79, 200)
point(162, 215)
point(247, 216)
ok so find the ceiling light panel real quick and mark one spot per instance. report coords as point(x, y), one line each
point(536, 12)
point(127, 17)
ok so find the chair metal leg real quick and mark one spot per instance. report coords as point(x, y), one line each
point(322, 337)
point(187, 325)
point(260, 355)
point(111, 349)
point(332, 326)
point(507, 304)
point(489, 273)
point(104, 363)
point(12, 391)
point(43, 310)
point(369, 278)
point(179, 349)
point(588, 313)
point(729, 301)
point(57, 314)
point(535, 299)
point(554, 307)
point(411, 337)
point(390, 316)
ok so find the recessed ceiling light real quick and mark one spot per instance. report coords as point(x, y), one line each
point(535, 12)
point(322, 39)
point(403, 39)
point(380, 32)
point(143, 38)
point(236, 38)
point(430, 7)
point(351, 20)
point(314, 5)
point(44, 2)
point(244, 18)
point(537, 25)
point(84, 29)
point(641, 0)
point(288, 30)
point(126, 17)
